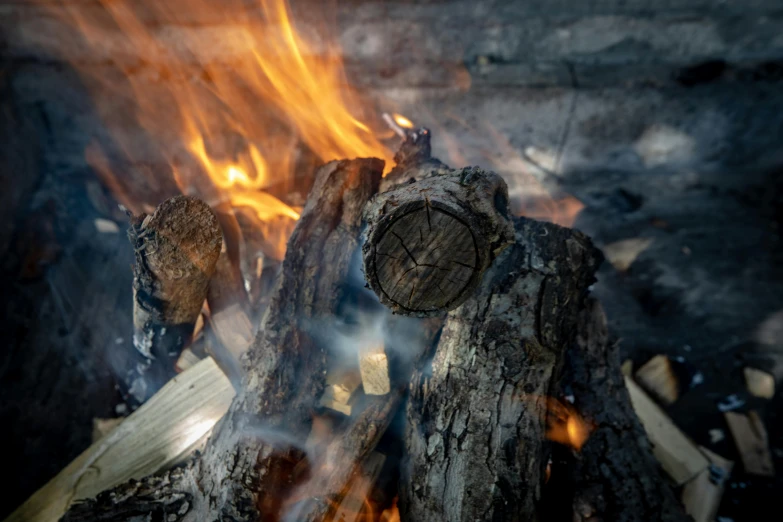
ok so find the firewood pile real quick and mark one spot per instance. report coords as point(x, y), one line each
point(477, 379)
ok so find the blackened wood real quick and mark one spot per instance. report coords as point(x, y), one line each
point(428, 243)
point(616, 476)
point(176, 249)
point(413, 161)
point(159, 497)
point(476, 417)
point(250, 464)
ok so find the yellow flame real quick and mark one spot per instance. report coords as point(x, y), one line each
point(565, 425)
point(228, 109)
point(402, 121)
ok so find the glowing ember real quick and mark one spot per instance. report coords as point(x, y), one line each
point(402, 121)
point(565, 425)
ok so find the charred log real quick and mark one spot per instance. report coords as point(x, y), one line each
point(429, 242)
point(176, 250)
point(476, 417)
point(615, 477)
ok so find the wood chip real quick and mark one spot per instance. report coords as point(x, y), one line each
point(657, 377)
point(677, 454)
point(164, 430)
point(374, 368)
point(104, 226)
point(622, 254)
point(702, 495)
point(752, 442)
point(759, 383)
point(339, 390)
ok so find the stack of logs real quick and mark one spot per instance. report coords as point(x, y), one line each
point(505, 322)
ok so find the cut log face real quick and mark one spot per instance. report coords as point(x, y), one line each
point(429, 242)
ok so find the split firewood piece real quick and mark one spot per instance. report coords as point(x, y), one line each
point(428, 243)
point(102, 427)
point(176, 250)
point(157, 435)
point(186, 360)
point(353, 504)
point(677, 454)
point(229, 305)
point(476, 420)
point(702, 495)
point(657, 377)
point(627, 367)
point(752, 442)
point(374, 368)
point(616, 476)
point(759, 383)
point(340, 388)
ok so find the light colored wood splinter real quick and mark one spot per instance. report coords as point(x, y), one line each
point(170, 425)
point(657, 377)
point(374, 368)
point(752, 442)
point(759, 383)
point(340, 388)
point(676, 453)
point(702, 495)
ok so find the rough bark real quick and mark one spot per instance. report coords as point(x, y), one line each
point(176, 250)
point(615, 478)
point(476, 418)
point(429, 242)
point(414, 161)
point(256, 455)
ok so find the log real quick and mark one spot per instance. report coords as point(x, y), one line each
point(476, 417)
point(615, 477)
point(428, 243)
point(752, 442)
point(176, 249)
point(702, 495)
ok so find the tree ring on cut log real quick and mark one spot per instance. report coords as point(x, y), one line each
point(429, 242)
point(426, 258)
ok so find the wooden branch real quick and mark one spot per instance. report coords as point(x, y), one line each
point(176, 250)
point(413, 161)
point(429, 242)
point(615, 477)
point(251, 463)
point(476, 419)
point(150, 439)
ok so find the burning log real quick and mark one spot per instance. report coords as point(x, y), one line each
point(476, 420)
point(176, 248)
point(615, 477)
point(429, 242)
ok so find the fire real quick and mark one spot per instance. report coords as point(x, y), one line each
point(565, 425)
point(228, 110)
point(402, 121)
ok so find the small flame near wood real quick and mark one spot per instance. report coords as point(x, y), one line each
point(565, 425)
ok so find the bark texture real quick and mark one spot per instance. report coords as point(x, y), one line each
point(615, 478)
point(429, 242)
point(476, 417)
point(253, 460)
point(176, 250)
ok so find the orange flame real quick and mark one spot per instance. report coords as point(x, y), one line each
point(391, 514)
point(565, 425)
point(230, 109)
